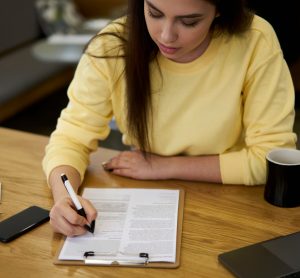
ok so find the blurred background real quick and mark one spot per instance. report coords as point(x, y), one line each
point(42, 40)
point(41, 43)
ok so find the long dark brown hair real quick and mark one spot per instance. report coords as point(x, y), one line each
point(140, 50)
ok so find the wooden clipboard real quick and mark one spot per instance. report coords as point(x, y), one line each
point(150, 264)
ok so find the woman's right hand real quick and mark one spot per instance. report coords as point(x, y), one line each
point(64, 218)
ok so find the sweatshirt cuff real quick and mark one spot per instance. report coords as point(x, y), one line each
point(232, 168)
point(48, 166)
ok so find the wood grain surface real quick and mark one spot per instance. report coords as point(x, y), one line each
point(217, 218)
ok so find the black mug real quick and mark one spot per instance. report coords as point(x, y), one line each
point(283, 184)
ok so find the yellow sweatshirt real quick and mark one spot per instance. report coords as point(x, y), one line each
point(236, 100)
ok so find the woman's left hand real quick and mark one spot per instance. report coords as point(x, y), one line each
point(134, 165)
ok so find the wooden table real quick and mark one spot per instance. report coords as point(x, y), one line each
point(217, 218)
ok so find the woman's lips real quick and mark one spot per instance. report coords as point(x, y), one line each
point(167, 49)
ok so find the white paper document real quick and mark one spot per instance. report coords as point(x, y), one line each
point(129, 222)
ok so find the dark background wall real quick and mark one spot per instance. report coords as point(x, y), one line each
point(285, 19)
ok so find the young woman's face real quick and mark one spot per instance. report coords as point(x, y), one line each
point(180, 28)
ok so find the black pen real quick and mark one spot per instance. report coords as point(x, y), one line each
point(75, 200)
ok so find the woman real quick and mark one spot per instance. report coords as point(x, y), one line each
point(199, 88)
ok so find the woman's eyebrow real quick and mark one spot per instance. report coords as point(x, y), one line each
point(152, 6)
point(195, 15)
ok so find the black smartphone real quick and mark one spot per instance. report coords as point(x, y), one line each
point(22, 222)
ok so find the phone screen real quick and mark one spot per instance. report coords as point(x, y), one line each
point(22, 222)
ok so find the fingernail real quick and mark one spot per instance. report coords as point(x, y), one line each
point(104, 165)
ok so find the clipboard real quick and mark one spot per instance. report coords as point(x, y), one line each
point(143, 257)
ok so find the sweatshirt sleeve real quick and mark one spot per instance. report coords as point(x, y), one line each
point(84, 121)
point(268, 118)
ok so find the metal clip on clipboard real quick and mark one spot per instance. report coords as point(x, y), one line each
point(142, 259)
